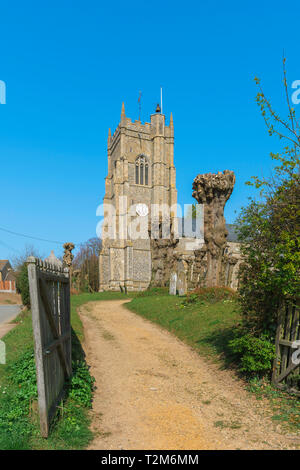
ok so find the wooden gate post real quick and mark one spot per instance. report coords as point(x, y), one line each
point(38, 348)
point(288, 332)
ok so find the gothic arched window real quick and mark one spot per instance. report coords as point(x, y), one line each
point(141, 170)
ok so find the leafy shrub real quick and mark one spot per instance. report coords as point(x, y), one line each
point(81, 384)
point(23, 285)
point(153, 291)
point(211, 294)
point(23, 374)
point(191, 299)
point(269, 227)
point(16, 427)
point(254, 354)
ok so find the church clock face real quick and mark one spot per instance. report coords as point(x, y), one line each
point(142, 209)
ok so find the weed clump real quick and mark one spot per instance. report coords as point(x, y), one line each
point(210, 295)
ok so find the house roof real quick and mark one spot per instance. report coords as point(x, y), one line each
point(3, 262)
point(10, 276)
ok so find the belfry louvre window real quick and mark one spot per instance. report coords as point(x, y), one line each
point(141, 171)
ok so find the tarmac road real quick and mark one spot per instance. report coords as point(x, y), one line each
point(8, 312)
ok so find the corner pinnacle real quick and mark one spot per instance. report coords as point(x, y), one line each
point(123, 110)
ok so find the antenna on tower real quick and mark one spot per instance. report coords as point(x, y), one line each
point(161, 107)
point(140, 104)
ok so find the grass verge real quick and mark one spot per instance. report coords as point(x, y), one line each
point(19, 421)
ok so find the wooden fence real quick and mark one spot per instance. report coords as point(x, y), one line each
point(7, 286)
point(286, 364)
point(50, 305)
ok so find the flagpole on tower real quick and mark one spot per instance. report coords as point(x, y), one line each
point(161, 107)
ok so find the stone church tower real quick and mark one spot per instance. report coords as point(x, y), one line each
point(141, 173)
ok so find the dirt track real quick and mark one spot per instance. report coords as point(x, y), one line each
point(154, 392)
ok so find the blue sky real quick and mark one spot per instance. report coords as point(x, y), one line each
point(68, 65)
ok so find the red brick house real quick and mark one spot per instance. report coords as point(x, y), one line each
point(7, 277)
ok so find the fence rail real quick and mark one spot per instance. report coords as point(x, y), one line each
point(50, 305)
point(286, 363)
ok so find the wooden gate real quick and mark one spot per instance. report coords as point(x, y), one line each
point(286, 363)
point(50, 305)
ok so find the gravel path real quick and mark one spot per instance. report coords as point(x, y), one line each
point(154, 392)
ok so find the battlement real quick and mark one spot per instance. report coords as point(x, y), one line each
point(148, 128)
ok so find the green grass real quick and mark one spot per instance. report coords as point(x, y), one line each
point(206, 326)
point(19, 422)
point(285, 408)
